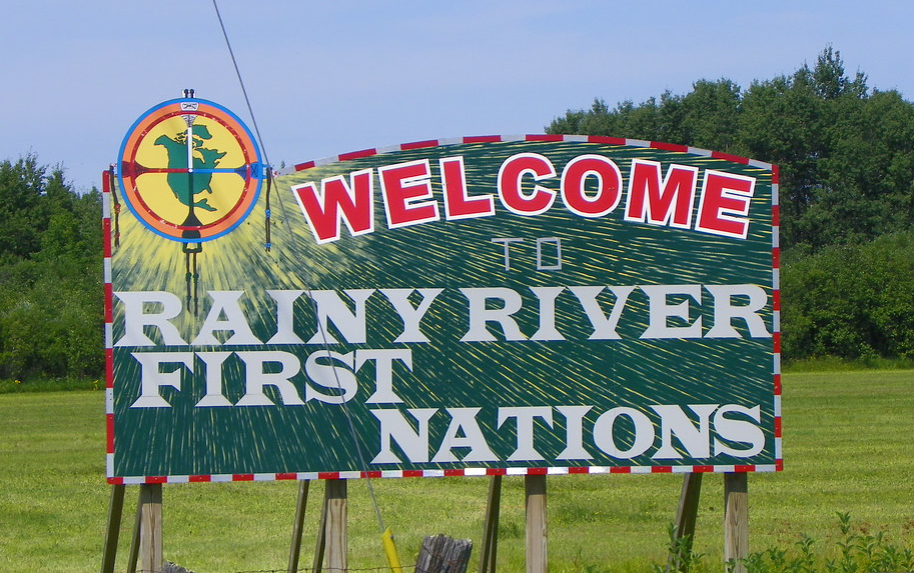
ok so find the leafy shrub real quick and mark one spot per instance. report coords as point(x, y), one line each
point(856, 551)
point(854, 302)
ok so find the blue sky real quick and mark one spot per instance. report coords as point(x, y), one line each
point(329, 77)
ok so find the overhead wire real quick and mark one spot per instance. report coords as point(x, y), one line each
point(247, 100)
point(346, 411)
point(244, 91)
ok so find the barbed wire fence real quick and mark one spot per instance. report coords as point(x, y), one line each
point(173, 568)
point(439, 554)
point(414, 568)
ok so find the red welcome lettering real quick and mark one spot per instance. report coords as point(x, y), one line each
point(669, 203)
point(510, 190)
point(457, 204)
point(724, 204)
point(404, 187)
point(607, 193)
point(337, 201)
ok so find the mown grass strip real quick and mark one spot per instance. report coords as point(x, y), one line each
point(847, 448)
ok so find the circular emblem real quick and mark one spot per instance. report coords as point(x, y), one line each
point(190, 170)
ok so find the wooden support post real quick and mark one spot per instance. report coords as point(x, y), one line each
point(150, 514)
point(736, 519)
point(134, 556)
point(298, 525)
point(490, 529)
point(321, 542)
point(535, 489)
point(113, 531)
point(336, 533)
point(686, 514)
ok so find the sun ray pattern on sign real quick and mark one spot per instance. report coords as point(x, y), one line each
point(501, 376)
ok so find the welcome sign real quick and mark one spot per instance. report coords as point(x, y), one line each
point(482, 305)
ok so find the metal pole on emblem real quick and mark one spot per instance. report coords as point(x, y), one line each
point(191, 250)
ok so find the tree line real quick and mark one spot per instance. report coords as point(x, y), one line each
point(51, 283)
point(846, 158)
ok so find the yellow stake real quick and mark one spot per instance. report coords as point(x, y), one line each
point(390, 548)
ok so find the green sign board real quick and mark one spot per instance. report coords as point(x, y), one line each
point(489, 305)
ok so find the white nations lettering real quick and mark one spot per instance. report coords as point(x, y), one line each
point(701, 431)
point(528, 184)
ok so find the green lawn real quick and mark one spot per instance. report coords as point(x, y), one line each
point(847, 445)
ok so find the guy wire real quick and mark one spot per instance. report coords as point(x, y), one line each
point(241, 82)
point(346, 411)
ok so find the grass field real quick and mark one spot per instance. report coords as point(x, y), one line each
point(848, 447)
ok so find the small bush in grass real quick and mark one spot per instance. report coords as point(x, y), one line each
point(856, 551)
point(681, 556)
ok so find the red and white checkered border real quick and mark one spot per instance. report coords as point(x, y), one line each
point(466, 472)
point(603, 140)
point(109, 317)
point(776, 307)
